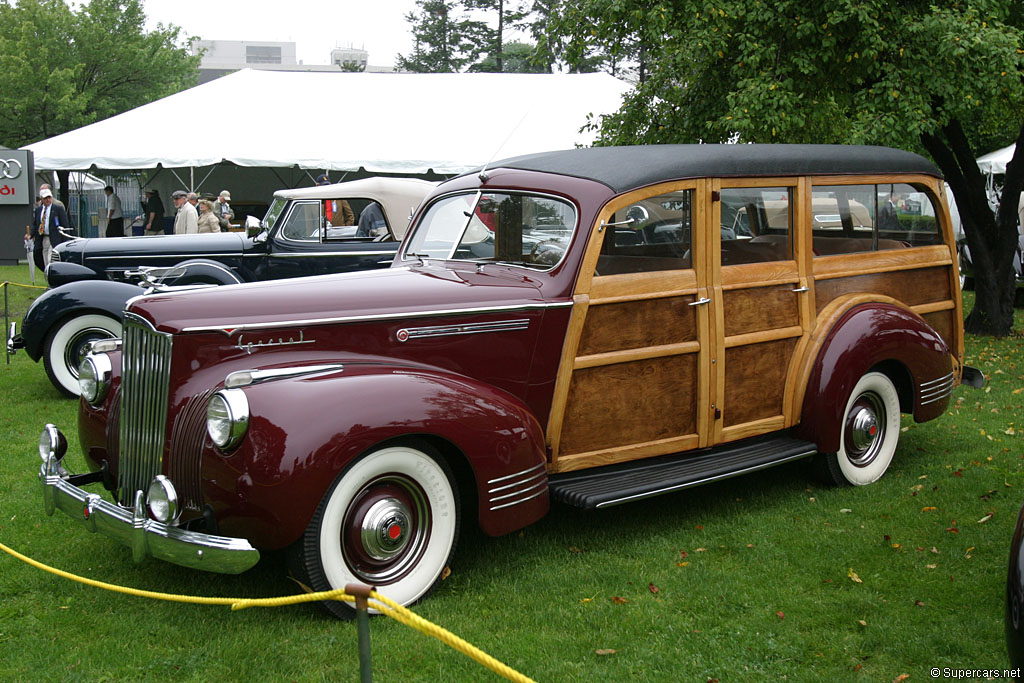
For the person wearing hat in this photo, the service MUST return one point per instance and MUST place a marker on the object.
(207, 218)
(186, 220)
(47, 221)
(153, 213)
(337, 211)
(222, 210)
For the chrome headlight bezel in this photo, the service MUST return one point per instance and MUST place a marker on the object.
(162, 500)
(227, 418)
(94, 377)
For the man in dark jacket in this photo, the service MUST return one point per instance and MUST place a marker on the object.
(47, 221)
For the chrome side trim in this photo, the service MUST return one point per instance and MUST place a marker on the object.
(521, 487)
(241, 327)
(244, 378)
(149, 257)
(309, 254)
(407, 333)
(936, 390)
(517, 474)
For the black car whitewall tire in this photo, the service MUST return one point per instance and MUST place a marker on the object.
(67, 343)
(869, 433)
(390, 520)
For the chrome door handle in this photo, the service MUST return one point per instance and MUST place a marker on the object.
(800, 289)
(699, 302)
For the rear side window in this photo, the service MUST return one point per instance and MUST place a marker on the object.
(651, 235)
(757, 225)
(849, 219)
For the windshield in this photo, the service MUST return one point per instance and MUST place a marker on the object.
(519, 229)
(274, 212)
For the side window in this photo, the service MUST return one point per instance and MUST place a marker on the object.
(303, 222)
(757, 224)
(651, 235)
(351, 218)
(848, 219)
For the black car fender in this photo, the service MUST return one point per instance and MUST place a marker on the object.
(75, 298)
(61, 273)
(201, 271)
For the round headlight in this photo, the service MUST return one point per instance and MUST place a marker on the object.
(94, 378)
(162, 500)
(52, 444)
(227, 417)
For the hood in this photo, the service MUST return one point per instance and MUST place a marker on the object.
(158, 245)
(409, 292)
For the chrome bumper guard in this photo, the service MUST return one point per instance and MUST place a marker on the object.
(14, 341)
(146, 537)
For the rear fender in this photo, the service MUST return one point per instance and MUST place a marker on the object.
(881, 336)
(304, 431)
(75, 298)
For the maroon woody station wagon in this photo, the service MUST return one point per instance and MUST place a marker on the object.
(595, 326)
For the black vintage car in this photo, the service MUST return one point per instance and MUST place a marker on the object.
(310, 231)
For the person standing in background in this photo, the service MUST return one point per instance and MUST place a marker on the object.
(47, 221)
(115, 216)
(154, 213)
(223, 211)
(186, 221)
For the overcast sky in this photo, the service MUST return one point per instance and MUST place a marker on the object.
(315, 26)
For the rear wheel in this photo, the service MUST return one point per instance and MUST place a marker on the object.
(390, 520)
(68, 342)
(871, 428)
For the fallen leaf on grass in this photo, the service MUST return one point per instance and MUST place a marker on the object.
(781, 615)
(901, 678)
(683, 554)
(929, 508)
(967, 553)
(445, 573)
(682, 564)
(862, 622)
(700, 550)
(931, 566)
(574, 549)
(985, 518)
(918, 603)
(605, 652)
(654, 589)
(619, 601)
(853, 576)
(846, 510)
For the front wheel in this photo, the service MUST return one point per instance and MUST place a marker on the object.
(68, 342)
(870, 430)
(390, 520)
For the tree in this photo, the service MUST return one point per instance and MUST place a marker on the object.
(444, 38)
(912, 74)
(506, 15)
(519, 58)
(63, 68)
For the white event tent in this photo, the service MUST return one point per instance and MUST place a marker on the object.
(343, 122)
(995, 162)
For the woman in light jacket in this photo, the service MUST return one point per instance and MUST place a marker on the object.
(207, 219)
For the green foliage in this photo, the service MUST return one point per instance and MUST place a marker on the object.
(444, 38)
(62, 67)
(519, 58)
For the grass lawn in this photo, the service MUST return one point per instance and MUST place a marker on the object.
(765, 576)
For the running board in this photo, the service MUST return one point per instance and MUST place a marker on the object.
(639, 479)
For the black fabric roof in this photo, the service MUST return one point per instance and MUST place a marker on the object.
(627, 168)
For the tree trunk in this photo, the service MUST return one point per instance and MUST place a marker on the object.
(992, 239)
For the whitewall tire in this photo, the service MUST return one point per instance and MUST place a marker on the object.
(391, 520)
(67, 343)
(870, 431)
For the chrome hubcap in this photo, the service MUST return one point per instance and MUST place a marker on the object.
(385, 529)
(864, 430)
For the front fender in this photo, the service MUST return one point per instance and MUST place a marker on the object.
(203, 271)
(304, 431)
(61, 273)
(74, 298)
(883, 336)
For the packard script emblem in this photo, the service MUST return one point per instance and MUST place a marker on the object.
(248, 346)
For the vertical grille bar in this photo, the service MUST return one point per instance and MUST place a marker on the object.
(145, 385)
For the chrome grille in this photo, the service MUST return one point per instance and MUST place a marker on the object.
(145, 384)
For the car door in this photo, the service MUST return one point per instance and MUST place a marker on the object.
(635, 375)
(306, 243)
(761, 303)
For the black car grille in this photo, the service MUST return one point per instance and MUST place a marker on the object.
(145, 385)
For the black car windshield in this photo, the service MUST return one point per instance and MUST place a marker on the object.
(274, 212)
(514, 228)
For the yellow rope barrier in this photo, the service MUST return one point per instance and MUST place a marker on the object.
(18, 284)
(379, 602)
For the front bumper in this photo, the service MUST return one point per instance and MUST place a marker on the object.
(146, 537)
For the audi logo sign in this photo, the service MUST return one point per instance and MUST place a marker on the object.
(15, 185)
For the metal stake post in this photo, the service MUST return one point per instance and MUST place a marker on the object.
(362, 594)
